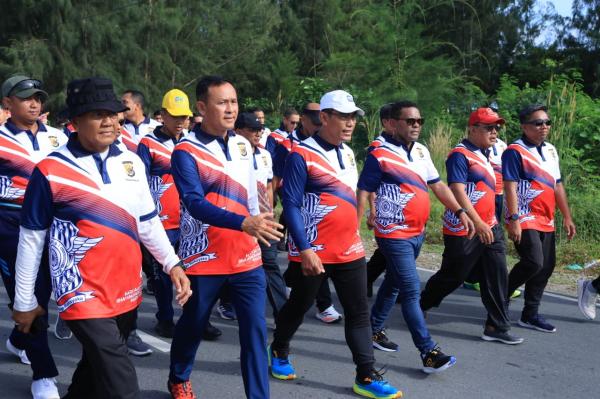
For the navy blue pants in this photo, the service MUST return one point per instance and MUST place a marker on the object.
(35, 345)
(247, 290)
(162, 285)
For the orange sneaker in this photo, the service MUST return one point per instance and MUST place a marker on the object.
(181, 390)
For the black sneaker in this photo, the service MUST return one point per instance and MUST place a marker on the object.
(500, 336)
(381, 342)
(537, 322)
(135, 345)
(164, 328)
(436, 361)
(211, 333)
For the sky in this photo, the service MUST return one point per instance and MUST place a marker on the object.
(563, 7)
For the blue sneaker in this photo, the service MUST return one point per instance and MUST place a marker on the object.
(436, 361)
(281, 368)
(537, 322)
(226, 311)
(374, 386)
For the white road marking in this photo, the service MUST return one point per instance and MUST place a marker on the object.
(154, 342)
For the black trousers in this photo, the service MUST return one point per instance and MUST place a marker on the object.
(596, 284)
(537, 253)
(375, 267)
(349, 280)
(105, 370)
(461, 256)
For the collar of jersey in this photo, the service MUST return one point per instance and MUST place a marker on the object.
(472, 147)
(530, 144)
(78, 151)
(298, 135)
(15, 130)
(390, 139)
(206, 138)
(146, 120)
(324, 144)
(162, 137)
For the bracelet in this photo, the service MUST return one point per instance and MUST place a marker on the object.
(459, 211)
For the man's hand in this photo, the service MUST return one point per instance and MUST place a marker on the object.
(468, 223)
(371, 220)
(570, 228)
(24, 320)
(484, 232)
(514, 231)
(311, 263)
(263, 227)
(181, 283)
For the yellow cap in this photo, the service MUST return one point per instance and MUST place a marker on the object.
(176, 103)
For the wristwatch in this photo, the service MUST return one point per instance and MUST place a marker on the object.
(459, 211)
(513, 217)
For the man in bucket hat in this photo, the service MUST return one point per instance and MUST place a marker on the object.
(24, 141)
(94, 202)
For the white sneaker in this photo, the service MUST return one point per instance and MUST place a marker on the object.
(329, 315)
(44, 388)
(20, 353)
(586, 298)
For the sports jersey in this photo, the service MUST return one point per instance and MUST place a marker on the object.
(536, 170)
(469, 165)
(217, 186)
(319, 201)
(378, 141)
(155, 152)
(266, 132)
(399, 175)
(496, 161)
(20, 150)
(263, 169)
(283, 150)
(127, 141)
(138, 131)
(95, 207)
(276, 137)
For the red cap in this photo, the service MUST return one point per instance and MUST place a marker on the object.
(486, 116)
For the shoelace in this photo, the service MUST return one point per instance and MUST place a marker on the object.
(377, 375)
(184, 388)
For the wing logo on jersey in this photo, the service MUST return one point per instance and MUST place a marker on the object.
(450, 220)
(157, 189)
(525, 194)
(67, 250)
(128, 165)
(389, 205)
(312, 214)
(194, 239)
(7, 191)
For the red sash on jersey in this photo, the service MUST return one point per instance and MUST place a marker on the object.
(481, 194)
(278, 137)
(15, 159)
(334, 211)
(535, 196)
(128, 140)
(224, 251)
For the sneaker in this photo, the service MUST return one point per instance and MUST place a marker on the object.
(44, 388)
(537, 322)
(374, 386)
(280, 366)
(181, 390)
(165, 328)
(211, 333)
(382, 342)
(61, 329)
(20, 353)
(436, 361)
(515, 294)
(500, 336)
(472, 286)
(329, 315)
(226, 311)
(586, 297)
(136, 346)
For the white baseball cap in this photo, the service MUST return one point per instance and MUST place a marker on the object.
(341, 101)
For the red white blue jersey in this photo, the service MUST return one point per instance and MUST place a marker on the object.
(275, 138)
(217, 186)
(319, 201)
(379, 140)
(126, 141)
(283, 150)
(136, 132)
(155, 151)
(496, 161)
(263, 169)
(20, 151)
(468, 165)
(399, 175)
(536, 170)
(93, 205)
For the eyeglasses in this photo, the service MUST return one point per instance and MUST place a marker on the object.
(539, 122)
(25, 85)
(490, 128)
(412, 121)
(293, 122)
(342, 116)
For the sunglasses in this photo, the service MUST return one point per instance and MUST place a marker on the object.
(490, 128)
(539, 122)
(412, 121)
(25, 85)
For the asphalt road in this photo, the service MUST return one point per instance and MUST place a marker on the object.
(560, 365)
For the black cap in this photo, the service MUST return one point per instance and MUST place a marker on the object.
(92, 94)
(248, 120)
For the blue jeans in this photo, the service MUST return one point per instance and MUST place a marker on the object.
(401, 279)
(247, 291)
